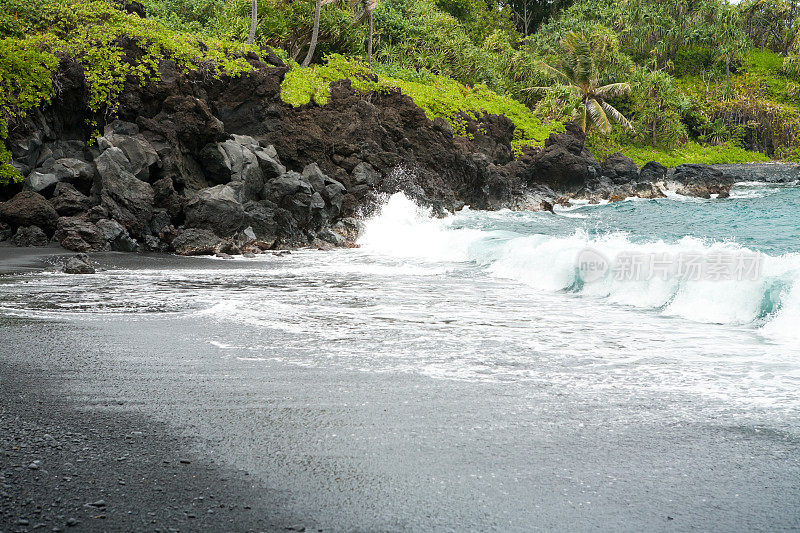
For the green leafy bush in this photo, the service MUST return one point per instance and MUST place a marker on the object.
(656, 104)
(89, 32)
(689, 152)
(438, 96)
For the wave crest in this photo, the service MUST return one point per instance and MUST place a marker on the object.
(769, 301)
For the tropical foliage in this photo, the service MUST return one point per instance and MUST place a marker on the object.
(578, 71)
(686, 75)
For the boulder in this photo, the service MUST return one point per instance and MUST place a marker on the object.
(646, 189)
(328, 189)
(272, 152)
(29, 236)
(620, 169)
(653, 172)
(42, 183)
(246, 141)
(331, 237)
(68, 201)
(120, 127)
(80, 234)
(112, 162)
(154, 244)
(289, 184)
(564, 164)
(97, 213)
(78, 265)
(25, 150)
(289, 231)
(223, 161)
(128, 199)
(74, 171)
(166, 197)
(235, 160)
(117, 236)
(111, 229)
(60, 149)
(364, 174)
(215, 163)
(186, 119)
(5, 232)
(216, 209)
(260, 218)
(349, 228)
(300, 207)
(701, 181)
(197, 241)
(245, 239)
(271, 167)
(140, 154)
(29, 208)
(160, 221)
(251, 178)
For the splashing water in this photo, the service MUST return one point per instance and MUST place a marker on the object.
(494, 296)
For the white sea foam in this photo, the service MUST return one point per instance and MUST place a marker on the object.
(405, 230)
(545, 262)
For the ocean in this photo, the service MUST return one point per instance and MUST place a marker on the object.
(654, 322)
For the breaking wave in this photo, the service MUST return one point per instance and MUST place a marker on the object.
(767, 299)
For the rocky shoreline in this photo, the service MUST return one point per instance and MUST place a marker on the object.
(195, 165)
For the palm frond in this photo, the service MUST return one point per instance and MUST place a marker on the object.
(617, 117)
(613, 89)
(553, 72)
(579, 51)
(598, 116)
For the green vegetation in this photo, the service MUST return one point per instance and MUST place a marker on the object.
(578, 71)
(689, 152)
(698, 80)
(438, 96)
(36, 37)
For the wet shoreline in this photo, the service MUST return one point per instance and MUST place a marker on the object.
(339, 450)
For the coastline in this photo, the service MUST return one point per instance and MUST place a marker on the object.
(66, 465)
(338, 446)
(20, 260)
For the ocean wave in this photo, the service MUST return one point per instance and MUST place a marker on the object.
(768, 300)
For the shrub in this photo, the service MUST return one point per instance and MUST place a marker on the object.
(438, 96)
(656, 105)
(89, 32)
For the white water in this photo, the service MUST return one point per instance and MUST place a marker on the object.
(548, 263)
(427, 296)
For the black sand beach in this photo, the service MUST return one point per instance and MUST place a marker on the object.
(112, 427)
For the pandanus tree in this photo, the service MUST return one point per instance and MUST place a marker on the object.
(367, 7)
(578, 70)
(730, 40)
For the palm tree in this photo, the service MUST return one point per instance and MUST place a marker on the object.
(253, 21)
(314, 35)
(368, 6)
(578, 70)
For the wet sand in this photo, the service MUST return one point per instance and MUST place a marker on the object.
(340, 450)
